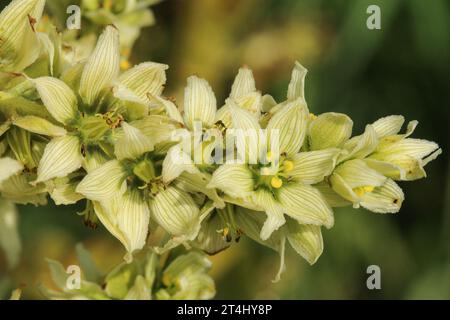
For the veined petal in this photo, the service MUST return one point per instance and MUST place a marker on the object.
(19, 46)
(415, 148)
(9, 167)
(233, 179)
(197, 182)
(62, 191)
(388, 126)
(250, 102)
(145, 78)
(387, 169)
(329, 130)
(361, 146)
(104, 183)
(357, 173)
(176, 212)
(62, 156)
(313, 166)
(133, 219)
(175, 163)
(160, 128)
(243, 84)
(274, 211)
(331, 197)
(58, 98)
(306, 205)
(132, 144)
(306, 240)
(102, 66)
(296, 87)
(199, 102)
(39, 125)
(210, 239)
(171, 110)
(385, 199)
(291, 123)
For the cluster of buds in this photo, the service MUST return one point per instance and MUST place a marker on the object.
(85, 131)
(147, 278)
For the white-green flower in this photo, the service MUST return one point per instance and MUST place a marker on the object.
(280, 184)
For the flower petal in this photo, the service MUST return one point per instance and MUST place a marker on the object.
(313, 166)
(102, 66)
(199, 102)
(388, 126)
(233, 179)
(385, 199)
(329, 130)
(274, 211)
(58, 98)
(306, 205)
(306, 240)
(145, 78)
(296, 87)
(291, 122)
(243, 84)
(39, 125)
(132, 144)
(175, 163)
(104, 183)
(62, 156)
(361, 146)
(176, 212)
(133, 219)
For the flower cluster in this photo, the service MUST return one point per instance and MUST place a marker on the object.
(85, 131)
(147, 278)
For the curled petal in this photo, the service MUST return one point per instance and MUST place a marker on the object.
(313, 166)
(329, 130)
(235, 180)
(243, 84)
(296, 87)
(306, 240)
(39, 125)
(132, 144)
(387, 198)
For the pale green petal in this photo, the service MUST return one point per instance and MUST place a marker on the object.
(223, 115)
(9, 167)
(331, 197)
(169, 107)
(361, 146)
(176, 212)
(102, 66)
(199, 102)
(94, 159)
(160, 128)
(274, 211)
(145, 78)
(267, 103)
(329, 130)
(39, 125)
(291, 123)
(132, 144)
(175, 163)
(357, 173)
(198, 182)
(58, 98)
(414, 148)
(250, 102)
(61, 156)
(388, 169)
(62, 191)
(296, 87)
(210, 239)
(233, 179)
(306, 205)
(107, 214)
(18, 189)
(385, 199)
(388, 126)
(245, 133)
(133, 219)
(139, 291)
(19, 46)
(243, 84)
(313, 166)
(306, 240)
(104, 183)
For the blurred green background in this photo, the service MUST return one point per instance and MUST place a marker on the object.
(404, 68)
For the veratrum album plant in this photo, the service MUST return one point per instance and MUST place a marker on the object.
(90, 128)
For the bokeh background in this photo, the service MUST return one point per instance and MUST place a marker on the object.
(404, 68)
